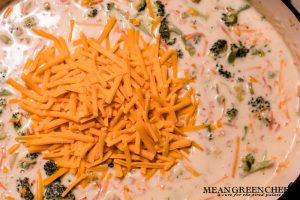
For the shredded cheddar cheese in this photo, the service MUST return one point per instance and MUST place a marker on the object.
(121, 103)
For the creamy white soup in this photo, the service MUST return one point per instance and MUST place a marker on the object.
(245, 83)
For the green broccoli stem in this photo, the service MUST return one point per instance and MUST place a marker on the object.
(258, 166)
(242, 8)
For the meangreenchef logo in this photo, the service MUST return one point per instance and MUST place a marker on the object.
(247, 191)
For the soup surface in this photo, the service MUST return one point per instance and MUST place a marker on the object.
(245, 81)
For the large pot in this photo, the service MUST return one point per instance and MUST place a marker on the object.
(285, 17)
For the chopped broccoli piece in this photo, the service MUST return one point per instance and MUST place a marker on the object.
(196, 1)
(230, 18)
(24, 188)
(50, 167)
(4, 92)
(259, 104)
(237, 51)
(3, 102)
(264, 120)
(188, 46)
(17, 124)
(250, 86)
(218, 47)
(175, 29)
(245, 133)
(249, 165)
(93, 12)
(221, 99)
(222, 72)
(27, 161)
(32, 156)
(55, 190)
(21, 133)
(15, 115)
(140, 5)
(258, 52)
(30, 22)
(179, 53)
(239, 91)
(160, 8)
(5, 39)
(110, 6)
(231, 114)
(165, 32)
(247, 162)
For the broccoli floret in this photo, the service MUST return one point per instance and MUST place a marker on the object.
(21, 133)
(247, 162)
(231, 113)
(3, 103)
(223, 72)
(54, 191)
(179, 53)
(30, 22)
(50, 167)
(230, 18)
(218, 47)
(17, 124)
(110, 6)
(237, 51)
(24, 188)
(140, 5)
(27, 161)
(264, 120)
(258, 52)
(165, 32)
(249, 165)
(15, 115)
(259, 104)
(32, 156)
(160, 8)
(93, 12)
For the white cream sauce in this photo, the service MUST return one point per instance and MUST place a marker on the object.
(217, 159)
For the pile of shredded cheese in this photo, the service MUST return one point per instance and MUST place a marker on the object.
(121, 103)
